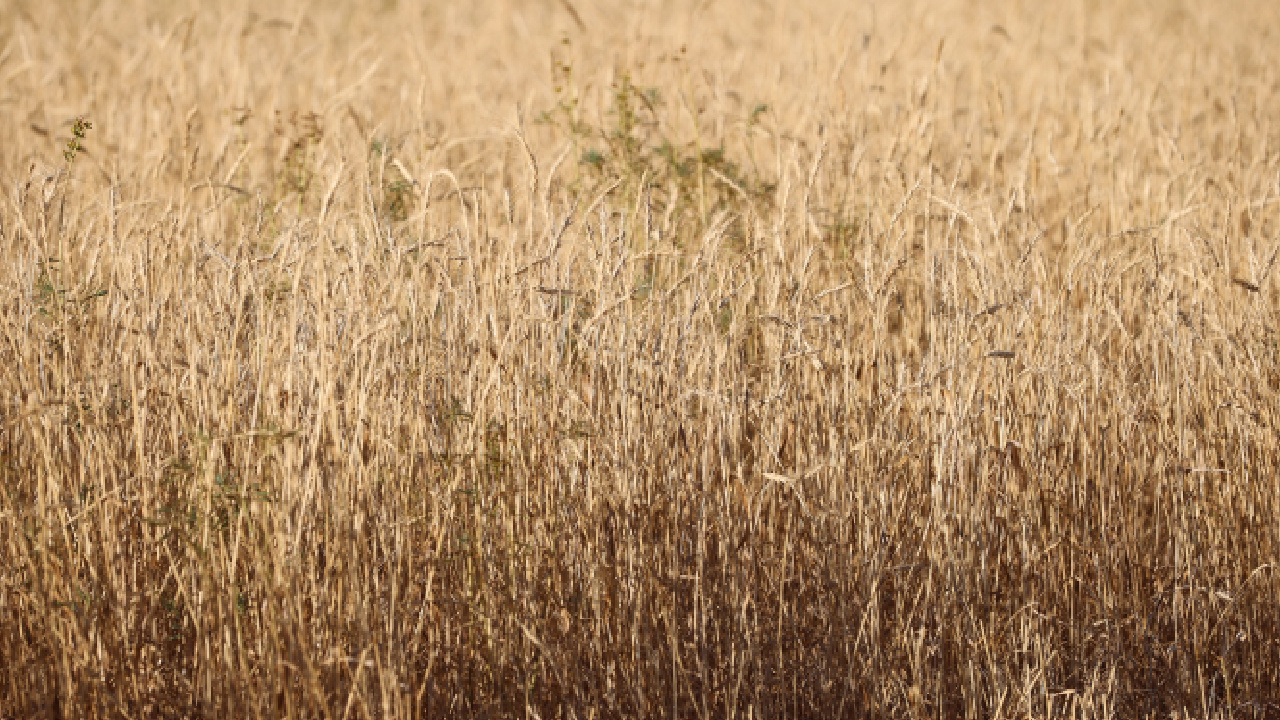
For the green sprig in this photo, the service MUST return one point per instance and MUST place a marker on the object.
(79, 128)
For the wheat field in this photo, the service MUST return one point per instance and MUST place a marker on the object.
(653, 359)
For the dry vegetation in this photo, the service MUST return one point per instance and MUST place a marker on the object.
(640, 359)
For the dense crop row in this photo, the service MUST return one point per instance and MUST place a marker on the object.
(641, 359)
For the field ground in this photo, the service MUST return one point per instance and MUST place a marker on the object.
(570, 359)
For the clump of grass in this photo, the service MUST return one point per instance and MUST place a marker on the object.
(805, 366)
(639, 146)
